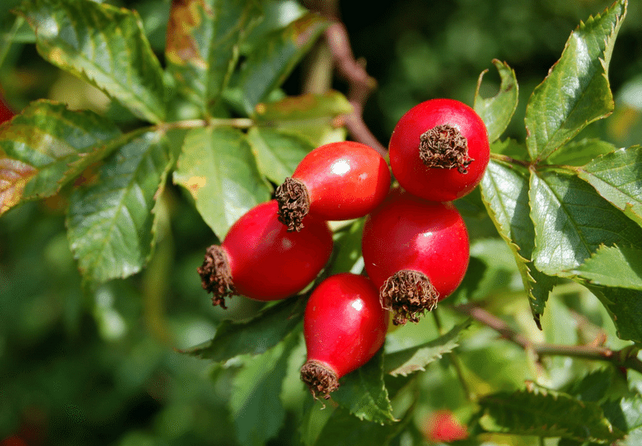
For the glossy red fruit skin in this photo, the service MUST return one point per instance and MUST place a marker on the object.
(344, 180)
(344, 324)
(409, 233)
(269, 263)
(433, 183)
(442, 426)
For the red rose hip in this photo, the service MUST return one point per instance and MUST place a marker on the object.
(439, 150)
(416, 251)
(344, 326)
(337, 181)
(261, 260)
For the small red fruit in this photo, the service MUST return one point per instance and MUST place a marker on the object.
(439, 150)
(344, 326)
(442, 427)
(261, 260)
(416, 251)
(337, 181)
(6, 113)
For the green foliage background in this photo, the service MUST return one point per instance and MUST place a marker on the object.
(98, 365)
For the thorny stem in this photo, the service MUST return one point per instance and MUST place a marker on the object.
(456, 363)
(360, 84)
(626, 357)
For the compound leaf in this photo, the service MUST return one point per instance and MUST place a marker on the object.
(203, 37)
(410, 360)
(255, 404)
(110, 223)
(105, 46)
(616, 177)
(364, 393)
(613, 266)
(572, 221)
(505, 194)
(576, 91)
(253, 336)
(498, 110)
(218, 168)
(269, 64)
(546, 415)
(56, 143)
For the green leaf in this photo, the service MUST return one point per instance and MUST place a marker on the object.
(347, 249)
(546, 415)
(625, 413)
(14, 176)
(203, 37)
(615, 266)
(255, 404)
(254, 336)
(572, 221)
(269, 65)
(364, 393)
(593, 386)
(576, 91)
(296, 110)
(578, 153)
(414, 359)
(217, 167)
(277, 152)
(616, 177)
(343, 429)
(625, 308)
(103, 45)
(498, 110)
(110, 223)
(505, 193)
(57, 143)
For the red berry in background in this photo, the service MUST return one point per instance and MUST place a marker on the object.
(344, 326)
(5, 111)
(337, 181)
(261, 260)
(439, 150)
(442, 427)
(416, 251)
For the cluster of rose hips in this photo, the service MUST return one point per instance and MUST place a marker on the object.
(415, 244)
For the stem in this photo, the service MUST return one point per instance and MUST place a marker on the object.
(360, 84)
(456, 363)
(509, 160)
(627, 357)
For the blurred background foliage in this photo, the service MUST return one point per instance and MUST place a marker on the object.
(103, 368)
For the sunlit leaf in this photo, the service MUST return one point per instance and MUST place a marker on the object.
(616, 177)
(576, 91)
(217, 167)
(498, 110)
(269, 64)
(277, 152)
(414, 359)
(625, 309)
(203, 39)
(572, 221)
(615, 266)
(254, 336)
(546, 415)
(110, 223)
(57, 143)
(364, 393)
(578, 153)
(505, 193)
(255, 404)
(14, 176)
(103, 45)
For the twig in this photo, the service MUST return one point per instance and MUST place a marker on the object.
(360, 84)
(627, 357)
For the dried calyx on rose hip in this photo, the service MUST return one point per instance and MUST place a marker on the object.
(337, 181)
(439, 150)
(344, 325)
(416, 251)
(261, 260)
